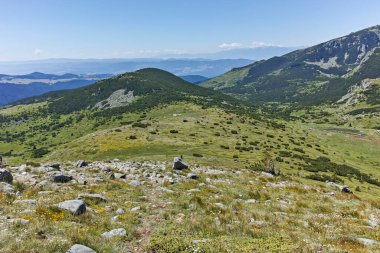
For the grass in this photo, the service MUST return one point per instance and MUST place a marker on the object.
(214, 218)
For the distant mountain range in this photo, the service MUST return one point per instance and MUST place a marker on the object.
(15, 87)
(180, 67)
(325, 73)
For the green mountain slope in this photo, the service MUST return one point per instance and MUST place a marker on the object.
(322, 73)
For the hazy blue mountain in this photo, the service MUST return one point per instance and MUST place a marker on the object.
(180, 67)
(15, 87)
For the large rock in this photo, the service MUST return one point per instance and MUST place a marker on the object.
(115, 232)
(76, 207)
(6, 176)
(78, 248)
(60, 178)
(178, 164)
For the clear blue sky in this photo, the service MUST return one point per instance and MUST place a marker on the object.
(37, 29)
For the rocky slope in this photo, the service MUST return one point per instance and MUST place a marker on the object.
(116, 206)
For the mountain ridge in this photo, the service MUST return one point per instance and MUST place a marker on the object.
(320, 73)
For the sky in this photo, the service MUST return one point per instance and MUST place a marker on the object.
(41, 29)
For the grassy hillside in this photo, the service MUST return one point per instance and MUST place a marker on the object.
(231, 207)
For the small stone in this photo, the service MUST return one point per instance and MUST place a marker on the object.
(19, 221)
(119, 175)
(135, 183)
(250, 201)
(266, 174)
(7, 188)
(81, 163)
(55, 165)
(367, 242)
(79, 248)
(120, 211)
(220, 205)
(115, 232)
(135, 209)
(192, 176)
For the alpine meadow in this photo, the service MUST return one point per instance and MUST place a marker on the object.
(135, 133)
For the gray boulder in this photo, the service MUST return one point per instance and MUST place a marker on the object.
(76, 207)
(78, 248)
(178, 164)
(6, 176)
(115, 232)
(60, 178)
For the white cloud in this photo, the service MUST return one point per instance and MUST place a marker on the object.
(255, 44)
(228, 46)
(38, 51)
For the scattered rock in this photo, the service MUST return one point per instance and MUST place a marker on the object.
(192, 176)
(135, 183)
(119, 175)
(76, 207)
(250, 201)
(7, 188)
(26, 201)
(345, 189)
(220, 205)
(6, 176)
(164, 189)
(55, 166)
(115, 232)
(178, 164)
(367, 242)
(18, 221)
(60, 178)
(266, 174)
(120, 211)
(135, 209)
(81, 164)
(78, 248)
